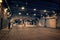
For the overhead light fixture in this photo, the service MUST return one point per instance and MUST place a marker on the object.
(53, 11)
(22, 8)
(34, 14)
(5, 10)
(19, 13)
(27, 14)
(34, 9)
(45, 11)
(8, 13)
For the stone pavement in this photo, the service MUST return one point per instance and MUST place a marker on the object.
(35, 33)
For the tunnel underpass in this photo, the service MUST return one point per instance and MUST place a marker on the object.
(29, 19)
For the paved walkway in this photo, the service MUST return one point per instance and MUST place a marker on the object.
(18, 33)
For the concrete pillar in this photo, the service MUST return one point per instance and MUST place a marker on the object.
(51, 22)
(58, 21)
(1, 15)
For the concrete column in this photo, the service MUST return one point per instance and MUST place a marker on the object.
(51, 22)
(1, 16)
(58, 22)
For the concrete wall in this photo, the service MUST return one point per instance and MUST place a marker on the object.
(4, 23)
(58, 22)
(51, 23)
(41, 23)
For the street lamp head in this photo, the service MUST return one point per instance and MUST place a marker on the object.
(34, 14)
(45, 11)
(34, 9)
(19, 13)
(22, 8)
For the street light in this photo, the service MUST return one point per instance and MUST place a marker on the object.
(22, 8)
(34, 9)
(34, 14)
(19, 13)
(45, 11)
(8, 13)
(27, 14)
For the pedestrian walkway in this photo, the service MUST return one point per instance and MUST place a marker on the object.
(36, 33)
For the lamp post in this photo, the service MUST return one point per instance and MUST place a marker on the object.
(1, 15)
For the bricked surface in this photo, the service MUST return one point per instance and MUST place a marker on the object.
(18, 33)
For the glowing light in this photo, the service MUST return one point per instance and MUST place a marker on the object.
(5, 10)
(8, 13)
(53, 11)
(45, 11)
(22, 8)
(34, 14)
(19, 13)
(34, 9)
(27, 14)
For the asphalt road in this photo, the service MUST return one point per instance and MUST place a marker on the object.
(34, 33)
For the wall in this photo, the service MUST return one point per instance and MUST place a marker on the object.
(58, 22)
(51, 23)
(5, 23)
(41, 23)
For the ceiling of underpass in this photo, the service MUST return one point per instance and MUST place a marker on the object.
(15, 5)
